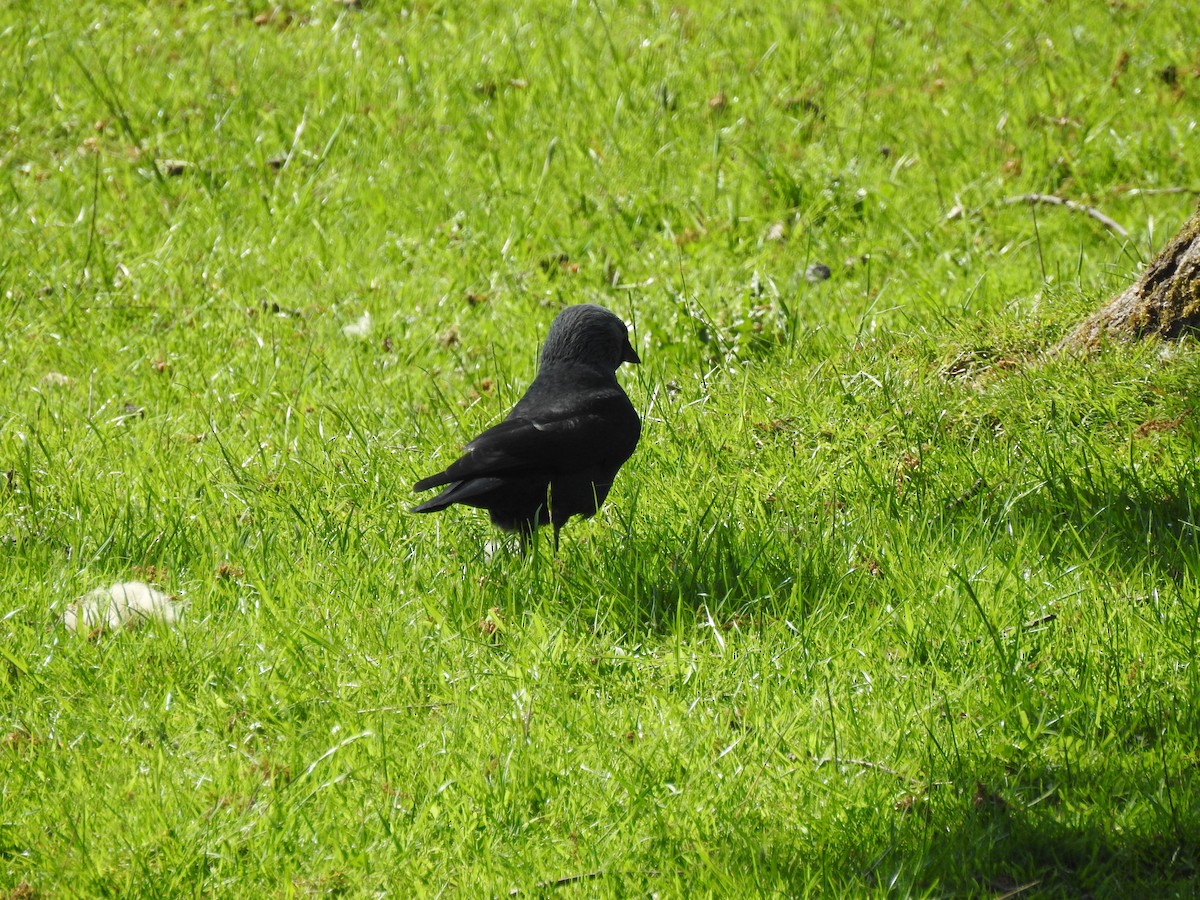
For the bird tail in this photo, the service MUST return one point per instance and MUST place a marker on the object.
(432, 481)
(472, 492)
(438, 502)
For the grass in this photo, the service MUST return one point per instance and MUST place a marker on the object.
(886, 602)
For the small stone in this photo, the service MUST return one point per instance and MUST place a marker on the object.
(817, 272)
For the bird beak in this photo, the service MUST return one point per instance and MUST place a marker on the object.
(630, 355)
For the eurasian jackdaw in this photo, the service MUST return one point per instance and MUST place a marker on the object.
(556, 454)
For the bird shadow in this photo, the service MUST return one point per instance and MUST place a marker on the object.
(706, 569)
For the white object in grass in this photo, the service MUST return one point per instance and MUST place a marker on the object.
(359, 329)
(124, 604)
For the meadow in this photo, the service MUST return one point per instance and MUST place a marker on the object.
(889, 600)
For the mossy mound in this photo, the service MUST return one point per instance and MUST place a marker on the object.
(1164, 302)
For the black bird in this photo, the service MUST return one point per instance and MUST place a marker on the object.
(556, 454)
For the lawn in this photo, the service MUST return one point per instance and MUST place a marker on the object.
(888, 601)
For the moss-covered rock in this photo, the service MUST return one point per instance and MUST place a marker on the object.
(1164, 302)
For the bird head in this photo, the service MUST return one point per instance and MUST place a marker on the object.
(588, 335)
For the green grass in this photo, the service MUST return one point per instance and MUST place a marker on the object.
(885, 602)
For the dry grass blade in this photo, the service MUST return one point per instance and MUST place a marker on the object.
(1052, 200)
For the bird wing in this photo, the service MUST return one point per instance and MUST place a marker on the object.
(606, 430)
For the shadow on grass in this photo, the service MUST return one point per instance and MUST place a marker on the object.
(976, 845)
(714, 570)
(997, 848)
(1112, 513)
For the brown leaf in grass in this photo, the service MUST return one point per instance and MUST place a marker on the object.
(1155, 426)
(491, 623)
(18, 739)
(985, 798)
(1119, 68)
